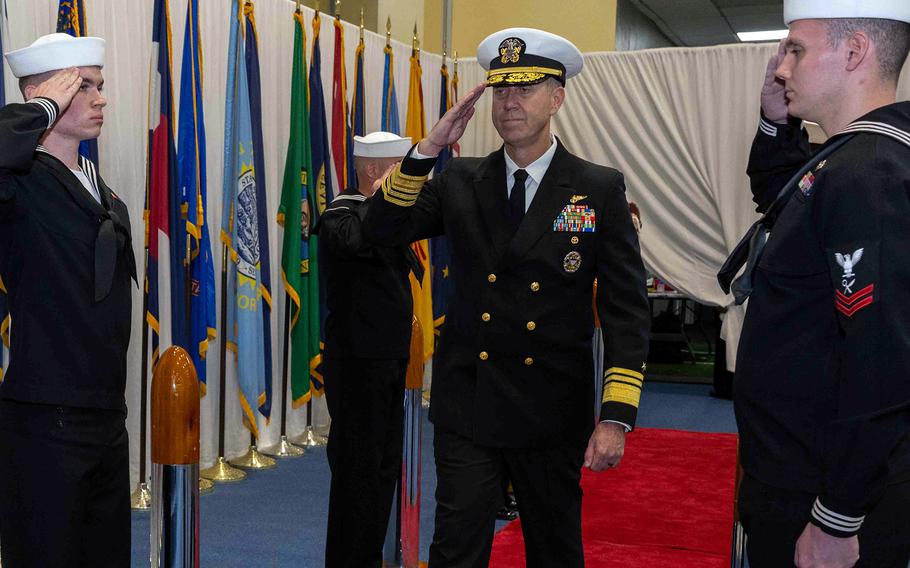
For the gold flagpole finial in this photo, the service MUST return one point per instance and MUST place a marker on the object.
(317, 7)
(361, 24)
(298, 7)
(337, 9)
(415, 43)
(388, 31)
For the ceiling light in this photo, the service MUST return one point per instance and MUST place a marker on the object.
(763, 36)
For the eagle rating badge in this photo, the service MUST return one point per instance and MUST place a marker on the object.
(849, 301)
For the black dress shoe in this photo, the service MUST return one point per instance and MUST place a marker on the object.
(509, 510)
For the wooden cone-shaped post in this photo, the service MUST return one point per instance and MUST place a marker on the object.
(175, 462)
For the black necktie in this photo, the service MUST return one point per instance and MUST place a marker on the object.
(517, 198)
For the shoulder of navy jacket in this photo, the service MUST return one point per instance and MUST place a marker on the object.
(401, 188)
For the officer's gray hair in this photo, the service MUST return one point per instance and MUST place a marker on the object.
(891, 39)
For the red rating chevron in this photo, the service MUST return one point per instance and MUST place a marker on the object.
(849, 305)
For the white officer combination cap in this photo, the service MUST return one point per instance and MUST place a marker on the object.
(832, 9)
(525, 56)
(54, 52)
(381, 145)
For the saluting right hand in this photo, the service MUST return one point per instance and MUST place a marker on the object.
(60, 88)
(773, 92)
(452, 124)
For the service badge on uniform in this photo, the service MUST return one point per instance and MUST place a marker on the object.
(857, 286)
(572, 262)
(806, 185)
(576, 198)
(576, 219)
(821, 164)
(510, 49)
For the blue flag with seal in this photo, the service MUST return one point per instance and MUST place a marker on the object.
(191, 162)
(319, 130)
(319, 147)
(71, 20)
(242, 231)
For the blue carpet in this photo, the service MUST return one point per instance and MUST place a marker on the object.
(276, 518)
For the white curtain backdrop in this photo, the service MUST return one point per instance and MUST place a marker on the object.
(677, 122)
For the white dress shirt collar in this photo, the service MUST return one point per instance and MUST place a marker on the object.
(536, 169)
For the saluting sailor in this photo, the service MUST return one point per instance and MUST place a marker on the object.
(530, 227)
(368, 332)
(822, 386)
(67, 260)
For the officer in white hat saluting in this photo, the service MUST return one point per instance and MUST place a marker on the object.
(66, 259)
(368, 332)
(822, 388)
(530, 227)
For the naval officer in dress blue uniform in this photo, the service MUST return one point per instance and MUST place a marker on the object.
(530, 227)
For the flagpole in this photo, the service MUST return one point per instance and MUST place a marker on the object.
(310, 439)
(206, 485)
(222, 471)
(141, 498)
(409, 495)
(285, 449)
(407, 527)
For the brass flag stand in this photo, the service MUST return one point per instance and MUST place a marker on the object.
(222, 472)
(285, 449)
(253, 458)
(141, 498)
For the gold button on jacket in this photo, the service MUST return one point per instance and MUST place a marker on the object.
(485, 316)
(491, 278)
(484, 355)
(535, 286)
(532, 326)
(529, 361)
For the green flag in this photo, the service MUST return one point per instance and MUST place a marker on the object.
(299, 259)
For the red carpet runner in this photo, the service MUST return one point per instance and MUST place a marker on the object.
(669, 505)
